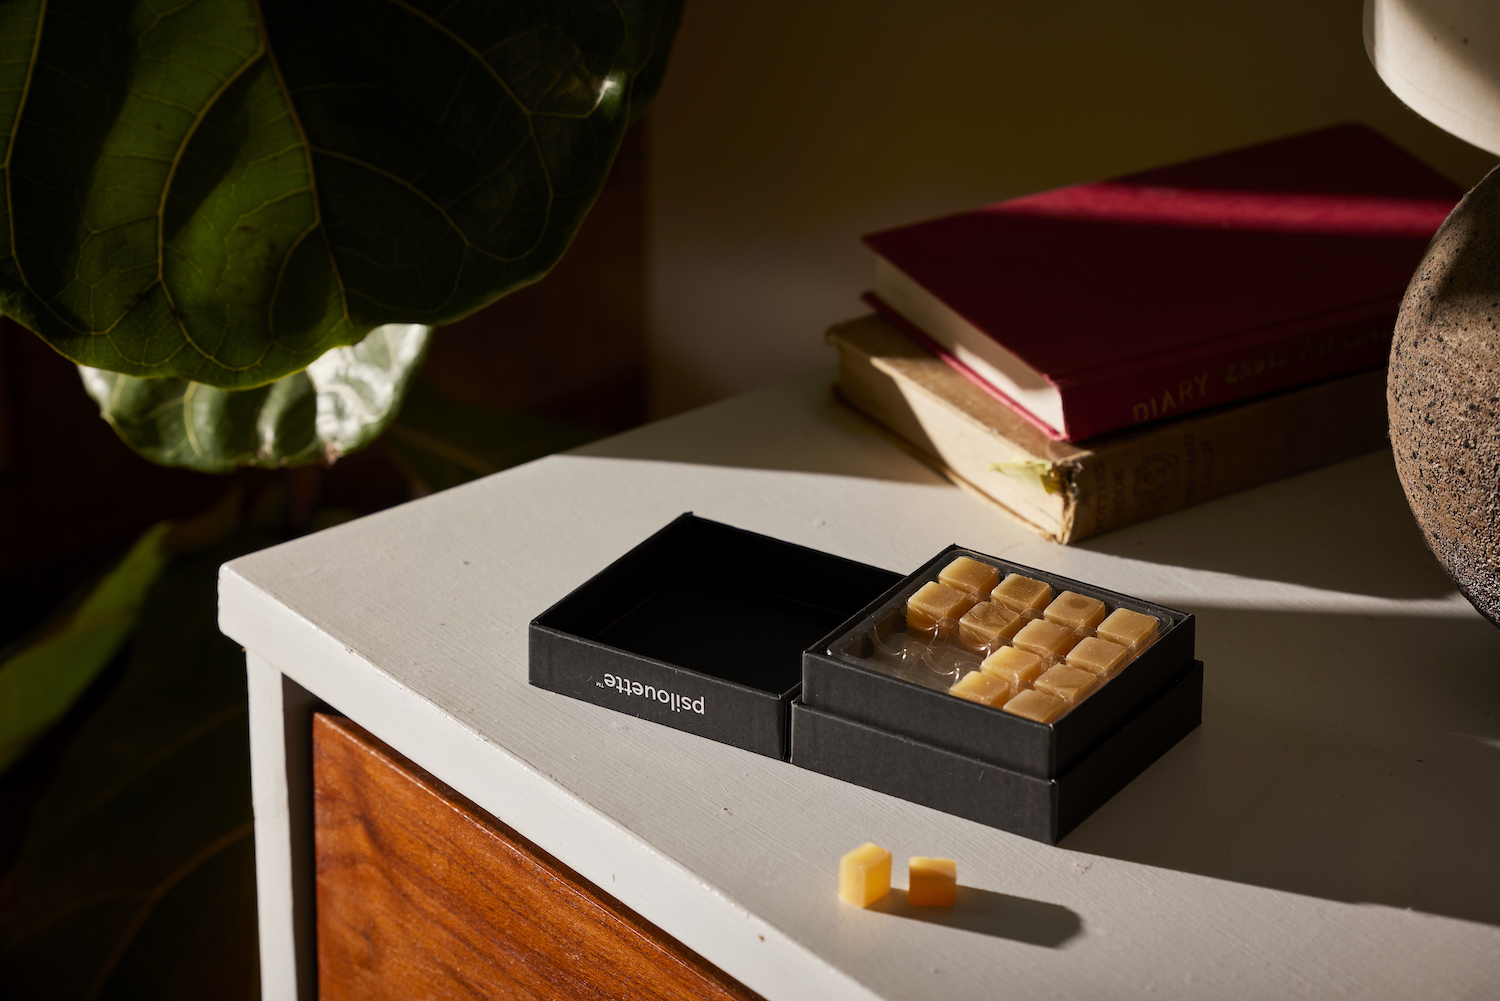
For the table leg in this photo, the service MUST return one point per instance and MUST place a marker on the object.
(281, 790)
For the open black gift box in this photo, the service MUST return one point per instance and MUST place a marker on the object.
(762, 644)
(701, 627)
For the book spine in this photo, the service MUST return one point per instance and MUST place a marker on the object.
(969, 452)
(1117, 480)
(1131, 477)
(1234, 369)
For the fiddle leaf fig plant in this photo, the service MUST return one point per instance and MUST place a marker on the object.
(242, 219)
(217, 192)
(337, 405)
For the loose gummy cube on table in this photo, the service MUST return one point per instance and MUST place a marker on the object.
(1035, 705)
(934, 602)
(1097, 656)
(932, 882)
(965, 574)
(1076, 611)
(986, 624)
(865, 875)
(1067, 683)
(982, 687)
(1128, 628)
(1020, 593)
(1015, 666)
(1047, 639)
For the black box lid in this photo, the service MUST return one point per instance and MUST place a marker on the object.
(701, 627)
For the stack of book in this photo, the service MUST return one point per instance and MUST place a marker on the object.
(1099, 354)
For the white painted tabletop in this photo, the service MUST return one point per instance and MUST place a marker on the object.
(1332, 829)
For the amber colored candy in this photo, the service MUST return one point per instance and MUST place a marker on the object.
(932, 882)
(934, 602)
(864, 875)
(1020, 593)
(965, 574)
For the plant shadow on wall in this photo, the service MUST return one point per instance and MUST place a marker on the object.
(242, 223)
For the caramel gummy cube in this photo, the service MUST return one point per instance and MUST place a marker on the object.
(982, 687)
(932, 882)
(1097, 656)
(1045, 638)
(1035, 705)
(965, 574)
(1076, 611)
(1020, 593)
(1068, 683)
(1128, 628)
(986, 624)
(934, 602)
(1015, 666)
(865, 875)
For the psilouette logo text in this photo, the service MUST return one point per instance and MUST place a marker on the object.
(677, 703)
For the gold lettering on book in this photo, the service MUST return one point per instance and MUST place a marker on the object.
(1249, 368)
(1155, 478)
(1342, 341)
(1189, 390)
(1110, 488)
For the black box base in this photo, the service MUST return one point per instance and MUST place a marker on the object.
(855, 688)
(1041, 809)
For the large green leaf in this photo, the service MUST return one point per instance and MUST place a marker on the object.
(44, 674)
(39, 681)
(221, 190)
(337, 405)
(136, 878)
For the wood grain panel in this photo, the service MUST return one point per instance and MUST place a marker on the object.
(423, 895)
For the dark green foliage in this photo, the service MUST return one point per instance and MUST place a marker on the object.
(222, 190)
(136, 879)
(337, 405)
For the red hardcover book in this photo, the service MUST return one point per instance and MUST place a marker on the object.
(1100, 306)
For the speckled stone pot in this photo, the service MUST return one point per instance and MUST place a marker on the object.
(1443, 395)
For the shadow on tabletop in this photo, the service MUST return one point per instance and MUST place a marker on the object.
(1338, 758)
(770, 428)
(1345, 527)
(998, 915)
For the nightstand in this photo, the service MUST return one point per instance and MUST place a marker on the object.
(1329, 827)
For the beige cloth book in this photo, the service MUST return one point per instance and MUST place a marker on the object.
(1070, 491)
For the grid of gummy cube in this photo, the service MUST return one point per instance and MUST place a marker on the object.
(1009, 643)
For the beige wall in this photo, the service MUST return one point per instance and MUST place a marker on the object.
(786, 129)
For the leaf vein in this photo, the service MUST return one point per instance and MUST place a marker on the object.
(409, 186)
(281, 273)
(157, 99)
(291, 193)
(126, 154)
(530, 118)
(10, 146)
(312, 173)
(165, 14)
(166, 191)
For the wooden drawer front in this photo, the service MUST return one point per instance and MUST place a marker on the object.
(423, 895)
